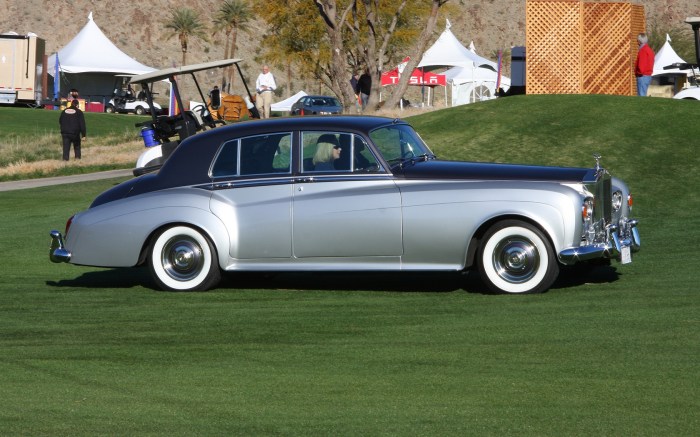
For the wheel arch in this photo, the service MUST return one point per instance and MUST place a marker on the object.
(143, 254)
(476, 239)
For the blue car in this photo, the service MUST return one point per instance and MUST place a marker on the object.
(317, 105)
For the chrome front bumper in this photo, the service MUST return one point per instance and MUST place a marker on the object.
(626, 235)
(58, 252)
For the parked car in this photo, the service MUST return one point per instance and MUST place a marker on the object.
(317, 105)
(348, 193)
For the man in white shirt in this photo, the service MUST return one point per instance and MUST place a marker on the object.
(264, 85)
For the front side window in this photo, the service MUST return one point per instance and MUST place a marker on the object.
(257, 155)
(336, 152)
(399, 142)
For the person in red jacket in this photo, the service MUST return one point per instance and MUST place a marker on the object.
(644, 65)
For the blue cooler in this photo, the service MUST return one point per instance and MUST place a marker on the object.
(149, 137)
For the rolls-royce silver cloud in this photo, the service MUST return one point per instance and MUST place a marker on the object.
(347, 193)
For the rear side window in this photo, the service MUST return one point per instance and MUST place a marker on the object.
(256, 155)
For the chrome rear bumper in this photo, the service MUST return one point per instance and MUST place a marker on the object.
(618, 237)
(58, 252)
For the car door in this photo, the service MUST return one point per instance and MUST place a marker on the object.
(352, 209)
(253, 194)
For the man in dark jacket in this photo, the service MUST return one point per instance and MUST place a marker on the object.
(72, 122)
(364, 86)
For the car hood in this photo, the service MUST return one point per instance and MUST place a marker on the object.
(435, 169)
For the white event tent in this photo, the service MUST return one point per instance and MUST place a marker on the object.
(667, 56)
(473, 77)
(90, 61)
(286, 105)
(666, 83)
(471, 85)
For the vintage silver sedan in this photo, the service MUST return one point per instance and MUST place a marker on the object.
(348, 193)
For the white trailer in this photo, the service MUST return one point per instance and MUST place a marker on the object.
(21, 69)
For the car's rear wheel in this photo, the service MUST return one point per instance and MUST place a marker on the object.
(517, 258)
(139, 110)
(183, 259)
(109, 109)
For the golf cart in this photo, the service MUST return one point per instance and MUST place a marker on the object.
(124, 100)
(163, 133)
(693, 91)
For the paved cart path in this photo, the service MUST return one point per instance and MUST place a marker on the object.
(43, 182)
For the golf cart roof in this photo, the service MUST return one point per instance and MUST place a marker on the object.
(165, 73)
(691, 20)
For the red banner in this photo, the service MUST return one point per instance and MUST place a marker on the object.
(418, 78)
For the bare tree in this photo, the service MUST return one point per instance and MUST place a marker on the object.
(400, 89)
(335, 22)
(371, 37)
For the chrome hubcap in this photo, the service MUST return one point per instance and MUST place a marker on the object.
(182, 258)
(516, 260)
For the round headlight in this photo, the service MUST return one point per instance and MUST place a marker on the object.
(617, 200)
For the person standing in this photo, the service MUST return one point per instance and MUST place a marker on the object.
(353, 83)
(264, 85)
(72, 123)
(364, 86)
(644, 65)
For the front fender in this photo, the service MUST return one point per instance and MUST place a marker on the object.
(441, 221)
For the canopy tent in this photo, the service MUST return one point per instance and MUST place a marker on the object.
(666, 83)
(90, 61)
(667, 56)
(447, 51)
(473, 78)
(286, 104)
(469, 85)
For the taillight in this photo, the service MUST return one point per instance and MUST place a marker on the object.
(68, 223)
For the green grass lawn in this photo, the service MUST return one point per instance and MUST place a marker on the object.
(31, 135)
(89, 351)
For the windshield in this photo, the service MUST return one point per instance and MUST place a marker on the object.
(399, 143)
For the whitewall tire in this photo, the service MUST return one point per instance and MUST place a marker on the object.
(517, 258)
(183, 259)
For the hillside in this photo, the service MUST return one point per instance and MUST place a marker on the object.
(136, 27)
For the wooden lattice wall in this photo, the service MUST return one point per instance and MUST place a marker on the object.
(577, 47)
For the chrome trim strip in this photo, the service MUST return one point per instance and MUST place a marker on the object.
(298, 179)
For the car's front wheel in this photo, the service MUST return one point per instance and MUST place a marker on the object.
(139, 110)
(516, 257)
(109, 109)
(181, 258)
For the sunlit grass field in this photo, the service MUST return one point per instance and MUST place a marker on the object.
(30, 143)
(89, 351)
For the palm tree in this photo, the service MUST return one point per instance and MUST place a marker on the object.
(185, 23)
(233, 15)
